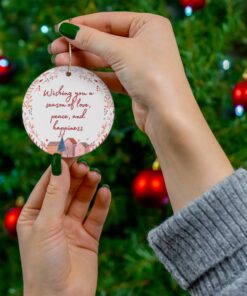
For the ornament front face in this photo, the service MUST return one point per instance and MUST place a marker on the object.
(72, 114)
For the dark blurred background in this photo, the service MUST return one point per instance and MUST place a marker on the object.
(213, 44)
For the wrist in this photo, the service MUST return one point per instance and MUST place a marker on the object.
(33, 290)
(169, 101)
(188, 152)
(30, 292)
(173, 120)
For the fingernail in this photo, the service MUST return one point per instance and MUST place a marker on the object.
(106, 186)
(95, 170)
(49, 48)
(56, 165)
(53, 58)
(82, 161)
(68, 30)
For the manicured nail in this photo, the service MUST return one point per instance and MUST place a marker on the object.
(53, 58)
(95, 170)
(106, 186)
(82, 161)
(56, 165)
(49, 48)
(68, 30)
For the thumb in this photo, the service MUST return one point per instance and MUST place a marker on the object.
(57, 190)
(92, 40)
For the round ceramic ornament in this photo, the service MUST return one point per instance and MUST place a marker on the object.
(68, 112)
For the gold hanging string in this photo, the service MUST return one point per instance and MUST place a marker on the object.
(70, 57)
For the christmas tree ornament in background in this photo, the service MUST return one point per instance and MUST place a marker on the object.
(68, 110)
(10, 220)
(239, 96)
(192, 5)
(45, 29)
(245, 75)
(149, 187)
(6, 69)
(12, 215)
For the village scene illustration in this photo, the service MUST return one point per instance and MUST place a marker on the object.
(68, 148)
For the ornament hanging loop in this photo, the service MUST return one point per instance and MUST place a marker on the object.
(68, 73)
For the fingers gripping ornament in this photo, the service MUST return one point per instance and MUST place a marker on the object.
(68, 110)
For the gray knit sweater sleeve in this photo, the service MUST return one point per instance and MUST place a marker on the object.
(204, 246)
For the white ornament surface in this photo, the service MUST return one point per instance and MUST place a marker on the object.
(72, 115)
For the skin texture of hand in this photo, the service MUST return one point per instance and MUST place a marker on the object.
(141, 50)
(58, 242)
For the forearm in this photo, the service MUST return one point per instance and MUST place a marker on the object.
(191, 159)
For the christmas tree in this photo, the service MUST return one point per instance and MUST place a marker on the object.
(212, 41)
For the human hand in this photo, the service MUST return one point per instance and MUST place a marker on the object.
(141, 50)
(58, 242)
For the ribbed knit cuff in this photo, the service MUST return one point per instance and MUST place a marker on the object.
(203, 246)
